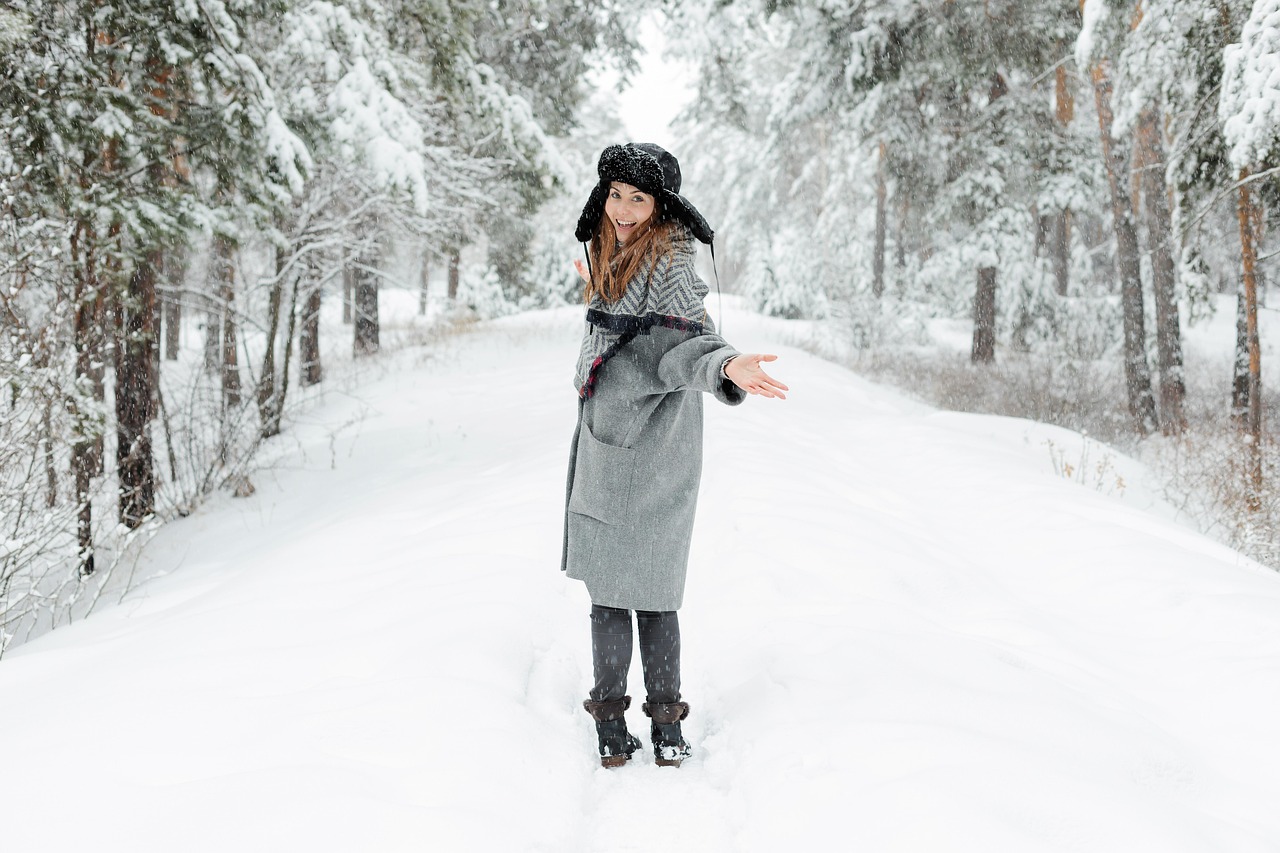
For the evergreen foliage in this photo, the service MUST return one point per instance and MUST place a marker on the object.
(216, 164)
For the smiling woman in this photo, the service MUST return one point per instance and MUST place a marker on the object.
(627, 209)
(649, 355)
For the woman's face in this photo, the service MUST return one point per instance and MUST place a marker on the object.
(627, 208)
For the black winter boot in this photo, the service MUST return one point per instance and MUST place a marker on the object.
(616, 743)
(669, 746)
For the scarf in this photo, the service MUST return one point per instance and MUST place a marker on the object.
(666, 292)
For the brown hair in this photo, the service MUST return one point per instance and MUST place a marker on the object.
(612, 266)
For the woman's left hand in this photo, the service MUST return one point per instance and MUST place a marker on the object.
(744, 370)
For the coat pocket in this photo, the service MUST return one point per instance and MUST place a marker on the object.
(602, 477)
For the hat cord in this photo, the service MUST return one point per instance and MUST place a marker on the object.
(719, 296)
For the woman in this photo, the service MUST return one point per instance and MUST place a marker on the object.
(636, 459)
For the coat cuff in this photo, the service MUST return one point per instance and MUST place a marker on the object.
(724, 366)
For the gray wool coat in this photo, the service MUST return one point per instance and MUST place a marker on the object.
(636, 458)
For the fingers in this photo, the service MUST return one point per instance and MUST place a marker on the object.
(765, 391)
(755, 381)
(773, 382)
(766, 386)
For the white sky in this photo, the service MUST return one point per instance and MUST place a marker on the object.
(656, 95)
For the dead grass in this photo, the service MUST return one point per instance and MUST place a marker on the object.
(1200, 472)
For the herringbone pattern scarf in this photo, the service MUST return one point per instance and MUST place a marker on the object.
(668, 293)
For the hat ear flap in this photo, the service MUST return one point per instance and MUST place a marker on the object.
(678, 208)
(591, 214)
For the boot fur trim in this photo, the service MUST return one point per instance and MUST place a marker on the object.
(606, 712)
(666, 713)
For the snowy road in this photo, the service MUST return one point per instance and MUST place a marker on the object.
(902, 632)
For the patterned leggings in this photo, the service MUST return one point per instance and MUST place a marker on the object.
(611, 653)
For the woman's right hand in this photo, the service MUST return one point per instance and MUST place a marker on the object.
(745, 372)
(581, 267)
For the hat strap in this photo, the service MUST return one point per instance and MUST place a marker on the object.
(719, 297)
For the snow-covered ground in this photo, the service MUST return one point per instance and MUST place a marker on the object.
(905, 630)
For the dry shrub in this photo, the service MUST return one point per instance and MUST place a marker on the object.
(1201, 472)
(1085, 396)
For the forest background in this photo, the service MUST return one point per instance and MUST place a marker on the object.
(186, 187)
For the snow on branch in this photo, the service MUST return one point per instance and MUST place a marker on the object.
(1094, 15)
(519, 130)
(1250, 104)
(375, 128)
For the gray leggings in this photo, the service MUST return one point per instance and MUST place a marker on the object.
(611, 653)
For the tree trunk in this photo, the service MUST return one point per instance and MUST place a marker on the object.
(984, 297)
(984, 318)
(366, 306)
(1064, 112)
(212, 337)
(135, 393)
(455, 266)
(157, 322)
(225, 282)
(1240, 367)
(1044, 230)
(1061, 251)
(1137, 372)
(175, 277)
(288, 347)
(422, 281)
(269, 401)
(1064, 102)
(348, 289)
(1247, 214)
(1173, 390)
(50, 456)
(900, 242)
(86, 450)
(172, 325)
(877, 279)
(309, 338)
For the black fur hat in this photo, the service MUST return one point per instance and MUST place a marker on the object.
(649, 169)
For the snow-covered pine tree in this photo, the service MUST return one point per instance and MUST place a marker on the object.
(540, 55)
(1250, 112)
(1099, 32)
(956, 95)
(1161, 68)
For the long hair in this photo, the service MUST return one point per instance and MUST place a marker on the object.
(613, 266)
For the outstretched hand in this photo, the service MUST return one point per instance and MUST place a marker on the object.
(744, 370)
(582, 271)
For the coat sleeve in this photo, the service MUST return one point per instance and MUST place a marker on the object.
(694, 364)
